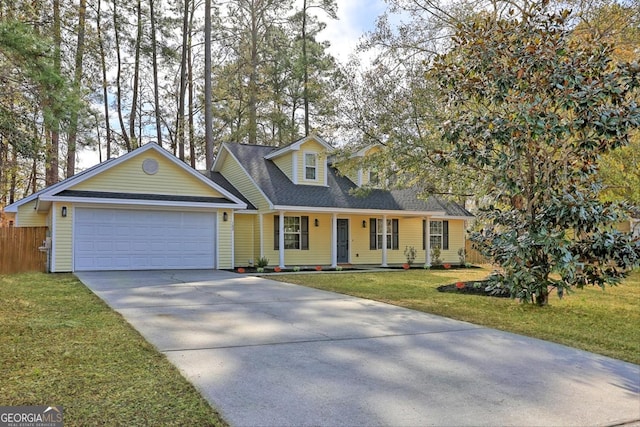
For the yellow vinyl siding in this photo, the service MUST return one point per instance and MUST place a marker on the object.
(244, 240)
(28, 216)
(285, 164)
(63, 238)
(409, 234)
(312, 146)
(224, 240)
(239, 179)
(319, 252)
(456, 241)
(128, 177)
(360, 252)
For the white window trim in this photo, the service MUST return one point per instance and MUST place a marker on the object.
(316, 166)
(440, 235)
(299, 233)
(379, 234)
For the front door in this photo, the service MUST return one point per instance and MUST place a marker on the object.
(343, 240)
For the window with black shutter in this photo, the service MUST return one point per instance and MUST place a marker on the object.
(296, 232)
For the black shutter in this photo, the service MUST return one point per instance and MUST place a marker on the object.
(373, 239)
(395, 238)
(276, 232)
(424, 234)
(304, 233)
(445, 235)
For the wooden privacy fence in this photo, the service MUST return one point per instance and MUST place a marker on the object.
(473, 256)
(19, 249)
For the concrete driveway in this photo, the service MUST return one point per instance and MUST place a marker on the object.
(272, 354)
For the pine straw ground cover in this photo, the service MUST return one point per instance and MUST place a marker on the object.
(61, 345)
(605, 322)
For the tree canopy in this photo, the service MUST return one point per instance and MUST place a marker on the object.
(533, 109)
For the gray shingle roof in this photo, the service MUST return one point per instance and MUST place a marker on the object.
(339, 192)
(222, 182)
(143, 196)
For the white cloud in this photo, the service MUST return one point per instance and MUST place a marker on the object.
(355, 17)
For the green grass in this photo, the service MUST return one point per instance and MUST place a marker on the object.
(605, 322)
(61, 345)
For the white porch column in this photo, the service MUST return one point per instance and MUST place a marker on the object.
(281, 240)
(334, 240)
(261, 230)
(427, 241)
(384, 240)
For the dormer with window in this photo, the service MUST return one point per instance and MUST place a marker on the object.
(366, 174)
(304, 162)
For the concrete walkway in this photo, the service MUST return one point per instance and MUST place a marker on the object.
(272, 354)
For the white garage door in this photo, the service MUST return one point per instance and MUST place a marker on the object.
(127, 239)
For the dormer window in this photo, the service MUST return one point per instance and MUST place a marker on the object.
(311, 166)
(374, 178)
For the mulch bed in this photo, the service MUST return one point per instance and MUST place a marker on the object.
(253, 270)
(474, 288)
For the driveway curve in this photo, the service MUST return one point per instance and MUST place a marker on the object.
(266, 353)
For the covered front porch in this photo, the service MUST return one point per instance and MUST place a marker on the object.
(289, 238)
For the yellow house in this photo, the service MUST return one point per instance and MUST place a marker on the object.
(307, 213)
(143, 210)
(149, 210)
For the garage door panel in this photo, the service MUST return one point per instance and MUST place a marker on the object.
(118, 239)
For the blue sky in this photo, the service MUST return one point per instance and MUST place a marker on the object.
(355, 18)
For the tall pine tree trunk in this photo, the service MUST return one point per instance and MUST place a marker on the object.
(183, 81)
(154, 60)
(123, 129)
(77, 83)
(136, 78)
(208, 112)
(253, 79)
(51, 166)
(105, 99)
(305, 64)
(192, 142)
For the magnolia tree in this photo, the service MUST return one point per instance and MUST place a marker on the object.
(533, 108)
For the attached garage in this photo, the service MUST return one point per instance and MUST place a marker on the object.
(145, 210)
(132, 239)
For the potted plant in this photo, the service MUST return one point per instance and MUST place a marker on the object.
(435, 256)
(261, 264)
(410, 255)
(277, 269)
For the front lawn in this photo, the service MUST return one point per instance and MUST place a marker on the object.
(605, 322)
(61, 345)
